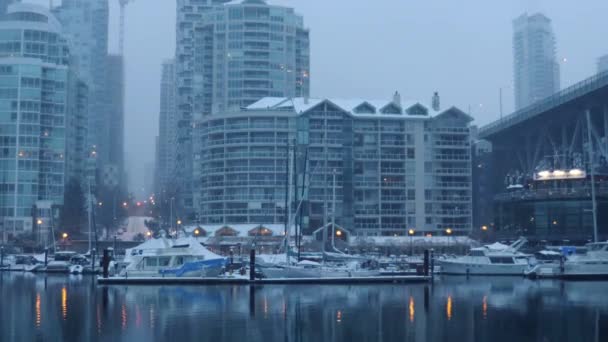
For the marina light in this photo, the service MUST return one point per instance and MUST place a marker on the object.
(64, 235)
(576, 172)
(484, 228)
(448, 231)
(411, 232)
(197, 232)
(39, 222)
(544, 174)
(559, 173)
(179, 222)
(148, 233)
(124, 204)
(339, 233)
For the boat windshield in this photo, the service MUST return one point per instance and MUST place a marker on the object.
(501, 260)
(596, 247)
(477, 253)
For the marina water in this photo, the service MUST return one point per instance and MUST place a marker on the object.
(74, 308)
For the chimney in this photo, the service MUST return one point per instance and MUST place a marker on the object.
(397, 99)
(436, 102)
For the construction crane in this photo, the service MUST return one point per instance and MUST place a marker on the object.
(121, 38)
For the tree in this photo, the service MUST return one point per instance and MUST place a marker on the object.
(110, 203)
(74, 213)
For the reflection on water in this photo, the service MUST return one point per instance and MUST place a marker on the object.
(453, 309)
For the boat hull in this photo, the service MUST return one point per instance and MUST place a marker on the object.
(456, 268)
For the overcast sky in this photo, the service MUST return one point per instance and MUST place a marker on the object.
(370, 48)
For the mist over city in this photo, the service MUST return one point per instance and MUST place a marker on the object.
(346, 170)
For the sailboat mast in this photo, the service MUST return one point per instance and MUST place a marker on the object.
(89, 207)
(592, 171)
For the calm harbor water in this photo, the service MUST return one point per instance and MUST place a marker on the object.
(62, 308)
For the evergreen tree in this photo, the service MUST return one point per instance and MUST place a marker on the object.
(74, 213)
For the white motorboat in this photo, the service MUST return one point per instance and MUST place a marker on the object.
(591, 265)
(172, 258)
(309, 269)
(496, 259)
(61, 262)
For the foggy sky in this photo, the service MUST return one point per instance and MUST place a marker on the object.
(370, 48)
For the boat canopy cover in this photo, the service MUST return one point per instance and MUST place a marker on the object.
(497, 246)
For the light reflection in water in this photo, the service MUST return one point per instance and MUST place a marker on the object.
(137, 316)
(339, 316)
(123, 315)
(412, 309)
(484, 307)
(99, 323)
(38, 311)
(448, 308)
(64, 303)
(152, 322)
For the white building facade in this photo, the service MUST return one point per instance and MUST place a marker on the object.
(397, 166)
(230, 54)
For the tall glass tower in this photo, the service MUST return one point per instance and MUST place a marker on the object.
(42, 127)
(536, 70)
(229, 55)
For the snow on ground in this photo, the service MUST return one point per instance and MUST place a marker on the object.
(135, 225)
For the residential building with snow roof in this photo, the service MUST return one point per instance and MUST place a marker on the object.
(398, 165)
(230, 54)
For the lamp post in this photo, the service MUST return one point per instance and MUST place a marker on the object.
(411, 233)
(449, 233)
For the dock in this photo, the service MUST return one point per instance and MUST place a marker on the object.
(154, 281)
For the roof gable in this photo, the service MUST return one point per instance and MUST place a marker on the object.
(391, 108)
(454, 113)
(417, 109)
(365, 108)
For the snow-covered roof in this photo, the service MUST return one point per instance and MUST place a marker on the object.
(416, 240)
(497, 246)
(302, 105)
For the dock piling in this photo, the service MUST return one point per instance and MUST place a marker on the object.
(105, 263)
(46, 257)
(252, 264)
(426, 263)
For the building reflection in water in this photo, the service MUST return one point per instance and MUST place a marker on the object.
(451, 311)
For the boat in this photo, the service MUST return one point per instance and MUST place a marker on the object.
(591, 265)
(307, 269)
(496, 259)
(163, 257)
(61, 262)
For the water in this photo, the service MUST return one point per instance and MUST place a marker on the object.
(61, 308)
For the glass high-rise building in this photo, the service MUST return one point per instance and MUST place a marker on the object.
(536, 70)
(85, 24)
(397, 165)
(229, 55)
(165, 148)
(42, 116)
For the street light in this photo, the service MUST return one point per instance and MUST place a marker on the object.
(124, 204)
(197, 232)
(149, 234)
(411, 233)
(100, 204)
(64, 236)
(338, 233)
(449, 233)
(484, 228)
(39, 222)
(179, 222)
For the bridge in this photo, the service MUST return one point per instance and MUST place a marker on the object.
(541, 161)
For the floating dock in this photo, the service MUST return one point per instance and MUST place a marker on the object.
(411, 279)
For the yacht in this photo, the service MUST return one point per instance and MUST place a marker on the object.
(306, 269)
(61, 262)
(496, 259)
(591, 265)
(172, 258)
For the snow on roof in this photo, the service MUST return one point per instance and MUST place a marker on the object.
(405, 240)
(302, 105)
